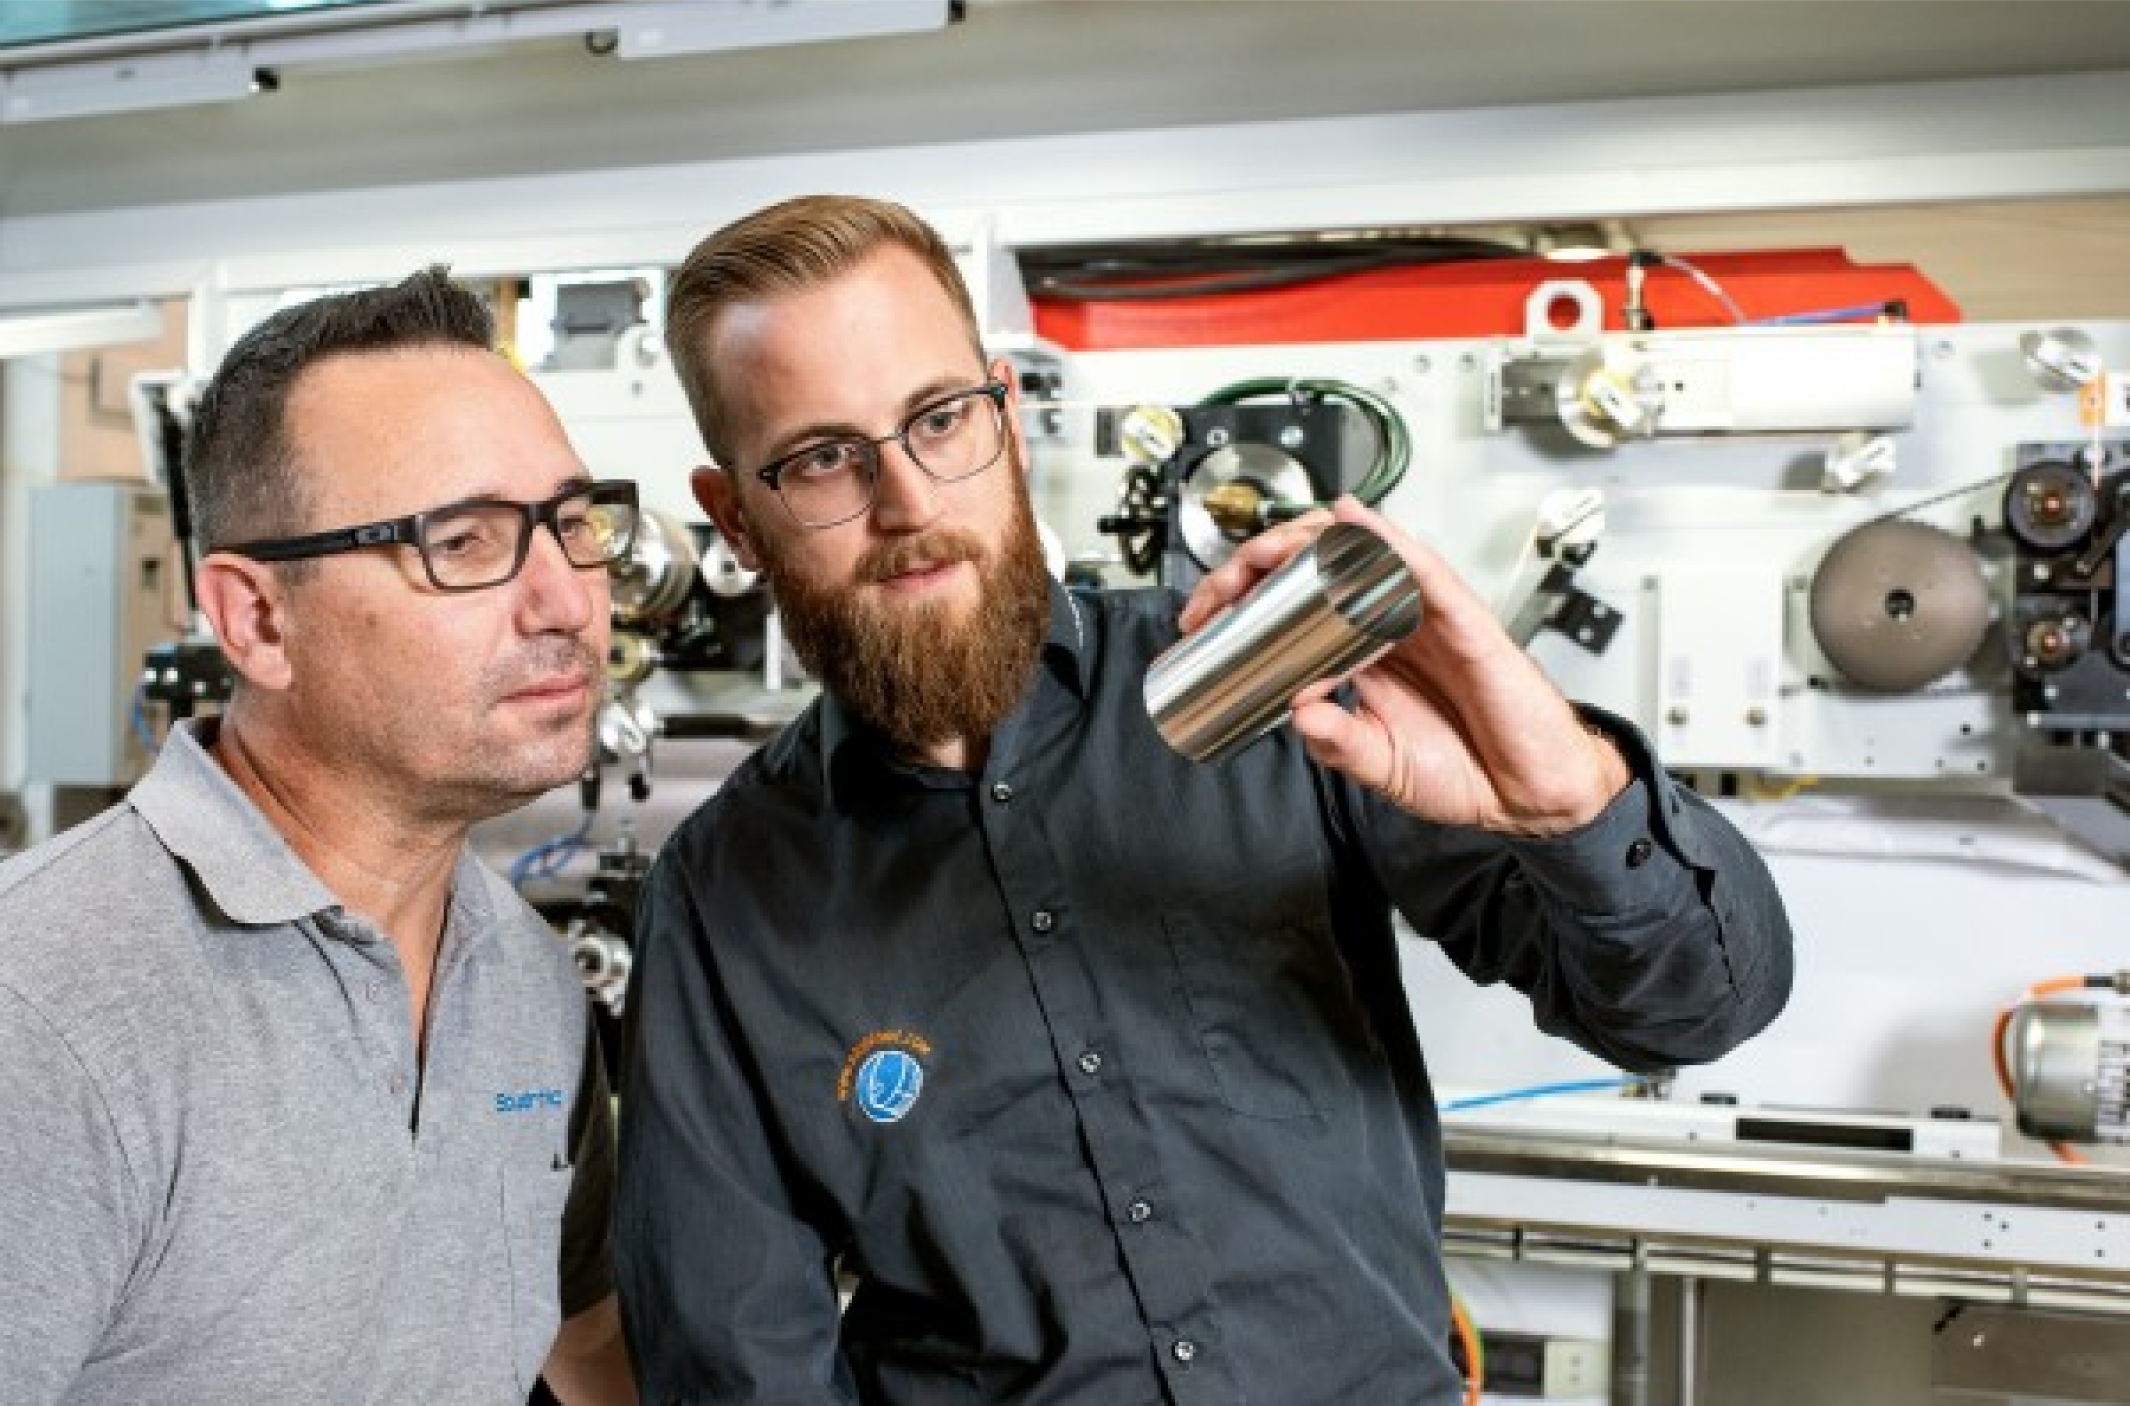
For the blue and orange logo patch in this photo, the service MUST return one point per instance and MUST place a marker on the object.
(884, 1074)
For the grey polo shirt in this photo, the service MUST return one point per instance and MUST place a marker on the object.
(223, 1175)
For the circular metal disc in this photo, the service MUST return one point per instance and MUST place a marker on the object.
(1262, 467)
(1897, 605)
(659, 572)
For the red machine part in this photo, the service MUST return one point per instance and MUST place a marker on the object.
(1487, 298)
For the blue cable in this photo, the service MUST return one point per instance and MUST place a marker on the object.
(1573, 1086)
(1823, 315)
(546, 859)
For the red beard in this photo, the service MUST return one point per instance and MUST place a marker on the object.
(914, 672)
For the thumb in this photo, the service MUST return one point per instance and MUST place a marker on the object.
(1338, 739)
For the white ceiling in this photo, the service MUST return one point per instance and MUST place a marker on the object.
(1022, 68)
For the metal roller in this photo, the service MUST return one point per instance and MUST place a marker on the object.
(1334, 607)
(655, 580)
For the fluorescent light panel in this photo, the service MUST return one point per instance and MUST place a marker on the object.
(715, 26)
(188, 69)
(123, 85)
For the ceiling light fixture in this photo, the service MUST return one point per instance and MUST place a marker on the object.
(717, 26)
(180, 65)
(127, 85)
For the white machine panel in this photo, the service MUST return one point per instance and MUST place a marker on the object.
(1719, 661)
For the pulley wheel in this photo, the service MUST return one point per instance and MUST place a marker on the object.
(1897, 605)
(2050, 504)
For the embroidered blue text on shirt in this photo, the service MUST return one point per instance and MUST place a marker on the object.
(888, 1085)
(528, 1101)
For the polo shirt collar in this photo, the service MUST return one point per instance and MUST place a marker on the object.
(205, 820)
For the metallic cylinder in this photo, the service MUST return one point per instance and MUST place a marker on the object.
(1333, 608)
(2070, 1068)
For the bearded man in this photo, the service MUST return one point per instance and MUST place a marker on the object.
(1087, 1068)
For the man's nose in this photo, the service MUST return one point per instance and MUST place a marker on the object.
(905, 497)
(561, 595)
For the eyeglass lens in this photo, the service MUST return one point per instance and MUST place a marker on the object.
(484, 544)
(950, 439)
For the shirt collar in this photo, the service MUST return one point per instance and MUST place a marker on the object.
(1068, 652)
(209, 824)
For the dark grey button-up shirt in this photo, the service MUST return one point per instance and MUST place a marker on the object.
(223, 1175)
(1096, 1070)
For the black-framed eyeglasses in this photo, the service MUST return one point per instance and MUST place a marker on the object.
(483, 542)
(831, 481)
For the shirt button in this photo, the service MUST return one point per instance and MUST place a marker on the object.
(398, 1085)
(1183, 1350)
(375, 990)
(1001, 792)
(1638, 854)
(1042, 921)
(1090, 1063)
(1139, 1212)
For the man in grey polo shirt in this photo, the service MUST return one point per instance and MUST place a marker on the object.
(301, 1103)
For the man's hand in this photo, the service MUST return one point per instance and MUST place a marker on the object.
(588, 1365)
(1456, 724)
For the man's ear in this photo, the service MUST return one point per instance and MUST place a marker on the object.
(720, 497)
(246, 605)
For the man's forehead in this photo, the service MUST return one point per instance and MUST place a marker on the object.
(414, 427)
(859, 346)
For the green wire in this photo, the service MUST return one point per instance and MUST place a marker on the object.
(1394, 446)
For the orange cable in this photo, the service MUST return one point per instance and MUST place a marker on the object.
(1474, 1362)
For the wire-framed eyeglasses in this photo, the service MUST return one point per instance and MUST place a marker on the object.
(482, 542)
(834, 480)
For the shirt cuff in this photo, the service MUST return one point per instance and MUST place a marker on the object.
(1633, 854)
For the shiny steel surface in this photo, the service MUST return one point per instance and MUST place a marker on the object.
(1845, 1175)
(2057, 1066)
(1258, 468)
(654, 581)
(1333, 608)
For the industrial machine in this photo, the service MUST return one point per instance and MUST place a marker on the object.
(1204, 477)
(1860, 579)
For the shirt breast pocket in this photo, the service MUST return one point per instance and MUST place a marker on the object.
(532, 1200)
(1274, 1013)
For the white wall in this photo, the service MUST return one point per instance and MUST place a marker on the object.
(29, 456)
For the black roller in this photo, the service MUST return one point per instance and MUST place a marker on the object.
(2049, 505)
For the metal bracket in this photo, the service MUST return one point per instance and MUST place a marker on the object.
(1559, 604)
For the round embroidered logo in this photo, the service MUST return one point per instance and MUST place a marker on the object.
(888, 1084)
